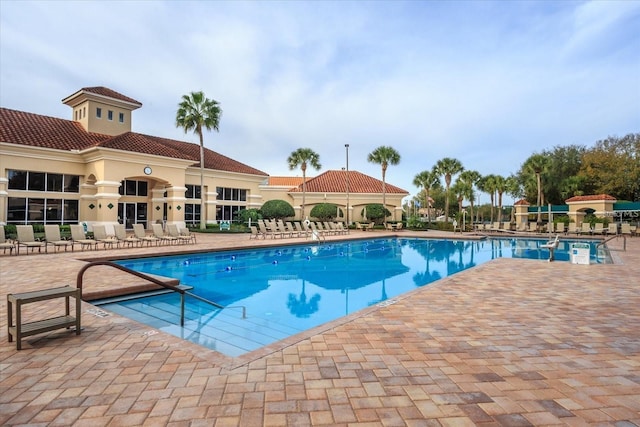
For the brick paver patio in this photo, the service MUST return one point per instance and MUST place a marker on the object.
(512, 342)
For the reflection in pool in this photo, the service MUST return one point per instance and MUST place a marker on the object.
(289, 289)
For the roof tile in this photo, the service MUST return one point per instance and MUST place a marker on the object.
(18, 127)
(335, 181)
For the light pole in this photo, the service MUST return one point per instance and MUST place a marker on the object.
(346, 146)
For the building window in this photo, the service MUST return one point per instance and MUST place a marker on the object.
(133, 188)
(99, 112)
(121, 117)
(227, 213)
(193, 192)
(43, 181)
(192, 214)
(233, 194)
(25, 210)
(110, 115)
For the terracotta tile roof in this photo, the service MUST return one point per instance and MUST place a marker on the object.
(286, 181)
(522, 202)
(105, 91)
(17, 127)
(334, 181)
(590, 198)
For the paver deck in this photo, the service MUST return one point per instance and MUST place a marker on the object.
(512, 342)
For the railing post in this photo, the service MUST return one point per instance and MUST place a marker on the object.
(182, 310)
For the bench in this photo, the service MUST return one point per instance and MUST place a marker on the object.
(19, 330)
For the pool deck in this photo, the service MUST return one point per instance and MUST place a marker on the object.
(512, 342)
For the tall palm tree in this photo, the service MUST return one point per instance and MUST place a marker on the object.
(470, 178)
(488, 184)
(537, 164)
(196, 112)
(448, 167)
(304, 157)
(428, 180)
(501, 187)
(384, 156)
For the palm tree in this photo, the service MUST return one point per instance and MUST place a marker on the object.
(303, 157)
(501, 187)
(470, 178)
(488, 185)
(448, 167)
(384, 156)
(537, 165)
(428, 180)
(196, 112)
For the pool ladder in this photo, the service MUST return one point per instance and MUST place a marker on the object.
(624, 242)
(181, 291)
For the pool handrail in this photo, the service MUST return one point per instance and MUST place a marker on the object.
(181, 291)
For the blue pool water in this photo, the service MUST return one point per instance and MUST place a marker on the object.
(290, 289)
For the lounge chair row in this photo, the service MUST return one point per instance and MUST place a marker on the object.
(26, 238)
(306, 229)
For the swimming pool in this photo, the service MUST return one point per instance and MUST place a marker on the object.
(289, 289)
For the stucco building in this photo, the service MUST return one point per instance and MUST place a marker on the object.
(94, 169)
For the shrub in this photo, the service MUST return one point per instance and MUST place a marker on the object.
(244, 215)
(375, 212)
(325, 211)
(277, 209)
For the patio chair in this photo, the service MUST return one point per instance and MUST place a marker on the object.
(140, 233)
(573, 228)
(267, 232)
(184, 231)
(612, 229)
(533, 227)
(160, 234)
(598, 228)
(53, 238)
(522, 226)
(585, 228)
(6, 243)
(255, 233)
(625, 229)
(560, 227)
(78, 236)
(28, 240)
(282, 229)
(300, 230)
(101, 236)
(292, 230)
(174, 231)
(121, 236)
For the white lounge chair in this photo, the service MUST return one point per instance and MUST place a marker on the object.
(27, 239)
(53, 238)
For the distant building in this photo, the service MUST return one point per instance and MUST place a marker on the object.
(94, 169)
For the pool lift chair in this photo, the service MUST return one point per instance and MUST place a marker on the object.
(552, 245)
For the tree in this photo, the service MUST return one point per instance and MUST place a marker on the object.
(325, 211)
(612, 167)
(195, 113)
(448, 167)
(501, 187)
(375, 212)
(384, 156)
(537, 165)
(427, 180)
(488, 184)
(304, 157)
(277, 209)
(470, 178)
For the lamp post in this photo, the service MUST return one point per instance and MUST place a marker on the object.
(346, 146)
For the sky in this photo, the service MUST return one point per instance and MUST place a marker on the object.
(487, 83)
